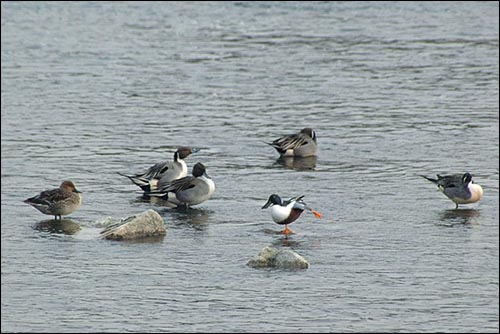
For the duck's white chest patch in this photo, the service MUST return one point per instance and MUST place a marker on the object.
(211, 185)
(280, 213)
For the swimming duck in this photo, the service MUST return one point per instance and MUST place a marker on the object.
(57, 202)
(286, 212)
(163, 172)
(302, 144)
(458, 187)
(189, 190)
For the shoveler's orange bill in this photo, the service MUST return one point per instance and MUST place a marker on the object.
(316, 214)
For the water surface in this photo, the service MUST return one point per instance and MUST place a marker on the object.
(393, 90)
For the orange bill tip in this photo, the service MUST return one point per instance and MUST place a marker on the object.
(316, 214)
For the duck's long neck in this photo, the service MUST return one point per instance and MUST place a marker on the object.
(184, 168)
(182, 163)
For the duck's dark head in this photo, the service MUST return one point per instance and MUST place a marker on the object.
(310, 132)
(273, 200)
(466, 178)
(199, 170)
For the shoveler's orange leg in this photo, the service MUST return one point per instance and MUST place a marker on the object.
(316, 214)
(286, 231)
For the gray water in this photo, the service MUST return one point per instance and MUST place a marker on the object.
(393, 90)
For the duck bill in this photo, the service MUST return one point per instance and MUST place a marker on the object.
(267, 204)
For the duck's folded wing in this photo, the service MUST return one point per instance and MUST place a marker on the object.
(155, 171)
(48, 197)
(449, 181)
(183, 183)
(290, 142)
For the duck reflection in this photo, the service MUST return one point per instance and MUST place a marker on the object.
(145, 240)
(194, 217)
(460, 216)
(298, 163)
(160, 202)
(65, 226)
(155, 201)
(285, 242)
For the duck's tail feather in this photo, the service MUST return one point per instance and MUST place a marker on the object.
(144, 184)
(429, 179)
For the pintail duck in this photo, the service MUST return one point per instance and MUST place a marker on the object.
(163, 172)
(458, 187)
(189, 190)
(57, 202)
(286, 212)
(302, 144)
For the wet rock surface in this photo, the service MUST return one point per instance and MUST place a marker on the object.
(270, 257)
(144, 225)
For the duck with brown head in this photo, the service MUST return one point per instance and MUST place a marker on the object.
(57, 202)
(162, 173)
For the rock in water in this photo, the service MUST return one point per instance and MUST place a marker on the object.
(66, 226)
(270, 257)
(146, 224)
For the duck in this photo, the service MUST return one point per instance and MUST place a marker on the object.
(302, 144)
(286, 212)
(460, 188)
(163, 173)
(189, 190)
(57, 202)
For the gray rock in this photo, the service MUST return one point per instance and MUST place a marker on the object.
(146, 224)
(270, 257)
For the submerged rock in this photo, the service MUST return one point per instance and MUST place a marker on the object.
(66, 226)
(146, 224)
(270, 257)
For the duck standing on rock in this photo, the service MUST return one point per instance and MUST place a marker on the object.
(57, 202)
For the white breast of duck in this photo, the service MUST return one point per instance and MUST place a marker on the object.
(210, 185)
(476, 192)
(281, 213)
